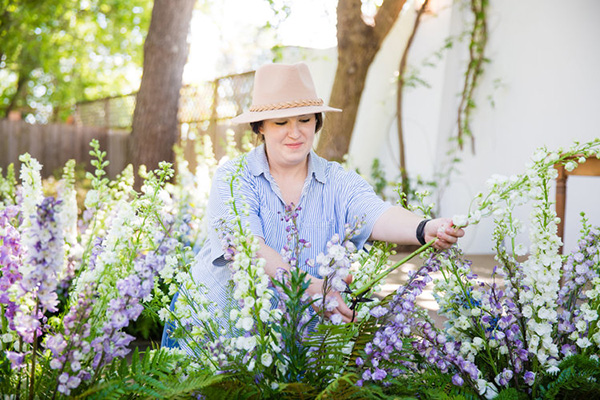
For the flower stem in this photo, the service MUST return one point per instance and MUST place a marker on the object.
(33, 355)
(385, 273)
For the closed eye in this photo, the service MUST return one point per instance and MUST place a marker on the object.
(281, 123)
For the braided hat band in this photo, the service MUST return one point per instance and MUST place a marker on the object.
(282, 91)
(287, 104)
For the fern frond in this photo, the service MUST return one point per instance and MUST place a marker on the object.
(330, 352)
(344, 387)
(152, 376)
(579, 378)
(296, 391)
(366, 332)
(430, 384)
(229, 388)
(511, 394)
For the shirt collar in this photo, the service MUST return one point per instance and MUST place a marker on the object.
(258, 164)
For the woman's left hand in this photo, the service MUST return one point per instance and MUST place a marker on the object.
(444, 231)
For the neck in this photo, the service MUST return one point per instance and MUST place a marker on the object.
(293, 172)
(290, 180)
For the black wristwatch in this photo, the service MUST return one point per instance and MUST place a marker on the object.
(421, 231)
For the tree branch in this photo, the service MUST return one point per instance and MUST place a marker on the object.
(386, 17)
(401, 72)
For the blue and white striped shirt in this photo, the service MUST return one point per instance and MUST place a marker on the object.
(331, 197)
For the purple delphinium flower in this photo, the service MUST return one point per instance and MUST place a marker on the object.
(504, 377)
(16, 359)
(495, 320)
(34, 261)
(578, 271)
(11, 256)
(227, 239)
(444, 354)
(44, 245)
(291, 254)
(334, 266)
(529, 377)
(113, 343)
(397, 321)
(457, 380)
(70, 349)
(292, 250)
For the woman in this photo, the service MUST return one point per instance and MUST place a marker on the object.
(286, 114)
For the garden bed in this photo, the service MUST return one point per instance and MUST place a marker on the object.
(73, 279)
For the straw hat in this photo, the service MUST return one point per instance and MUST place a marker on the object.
(282, 91)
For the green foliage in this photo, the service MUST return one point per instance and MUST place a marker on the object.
(430, 384)
(330, 354)
(411, 191)
(477, 59)
(579, 378)
(54, 53)
(230, 388)
(147, 326)
(296, 354)
(154, 375)
(378, 178)
(511, 394)
(366, 331)
(5, 371)
(8, 186)
(344, 387)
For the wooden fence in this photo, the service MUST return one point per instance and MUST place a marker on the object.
(53, 144)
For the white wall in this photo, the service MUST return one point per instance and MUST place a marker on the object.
(543, 80)
(542, 77)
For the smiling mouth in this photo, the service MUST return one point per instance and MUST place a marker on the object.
(294, 145)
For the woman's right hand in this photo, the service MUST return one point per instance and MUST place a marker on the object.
(316, 288)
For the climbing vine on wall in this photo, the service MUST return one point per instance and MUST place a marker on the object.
(477, 36)
(477, 59)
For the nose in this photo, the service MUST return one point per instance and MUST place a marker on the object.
(294, 131)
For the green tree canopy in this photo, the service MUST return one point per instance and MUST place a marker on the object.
(54, 53)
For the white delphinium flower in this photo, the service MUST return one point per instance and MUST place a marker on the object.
(583, 343)
(120, 229)
(68, 215)
(460, 220)
(31, 187)
(542, 271)
(487, 389)
(587, 313)
(266, 359)
(571, 165)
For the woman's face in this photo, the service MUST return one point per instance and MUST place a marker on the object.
(289, 140)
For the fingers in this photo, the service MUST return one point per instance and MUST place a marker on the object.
(447, 235)
(348, 279)
(341, 309)
(316, 288)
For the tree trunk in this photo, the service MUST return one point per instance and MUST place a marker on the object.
(358, 44)
(21, 87)
(155, 126)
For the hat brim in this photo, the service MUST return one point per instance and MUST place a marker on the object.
(250, 116)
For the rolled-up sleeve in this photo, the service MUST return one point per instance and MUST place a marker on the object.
(362, 203)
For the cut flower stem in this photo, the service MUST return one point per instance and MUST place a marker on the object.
(364, 289)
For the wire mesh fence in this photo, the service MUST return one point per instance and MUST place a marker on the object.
(111, 112)
(203, 110)
(201, 105)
